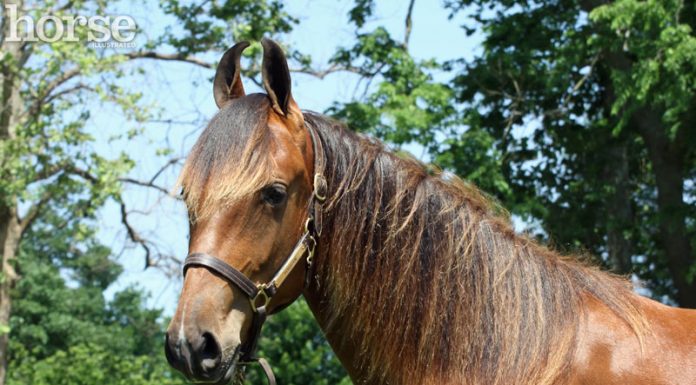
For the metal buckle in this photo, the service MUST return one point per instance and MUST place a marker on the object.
(319, 187)
(261, 294)
(312, 244)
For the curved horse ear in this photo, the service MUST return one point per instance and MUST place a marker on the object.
(228, 84)
(276, 79)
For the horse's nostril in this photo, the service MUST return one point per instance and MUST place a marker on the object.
(209, 353)
(200, 357)
(171, 352)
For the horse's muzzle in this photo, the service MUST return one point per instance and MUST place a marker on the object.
(199, 358)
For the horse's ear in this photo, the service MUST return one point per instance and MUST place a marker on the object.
(228, 84)
(276, 79)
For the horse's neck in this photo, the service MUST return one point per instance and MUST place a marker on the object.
(346, 354)
(417, 274)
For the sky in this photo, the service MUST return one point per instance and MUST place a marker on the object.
(182, 96)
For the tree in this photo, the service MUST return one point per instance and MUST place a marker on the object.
(577, 114)
(65, 333)
(613, 90)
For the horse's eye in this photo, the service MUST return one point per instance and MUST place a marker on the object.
(274, 194)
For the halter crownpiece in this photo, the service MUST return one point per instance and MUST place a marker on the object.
(260, 294)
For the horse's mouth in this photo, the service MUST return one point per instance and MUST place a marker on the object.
(226, 371)
(228, 367)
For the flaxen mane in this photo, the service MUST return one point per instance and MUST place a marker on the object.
(421, 269)
(428, 278)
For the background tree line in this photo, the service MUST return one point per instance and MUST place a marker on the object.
(578, 116)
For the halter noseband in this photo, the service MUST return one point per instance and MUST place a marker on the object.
(260, 294)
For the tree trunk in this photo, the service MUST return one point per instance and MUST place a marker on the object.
(616, 175)
(9, 236)
(667, 158)
(619, 209)
(10, 229)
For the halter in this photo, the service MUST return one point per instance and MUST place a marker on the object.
(260, 294)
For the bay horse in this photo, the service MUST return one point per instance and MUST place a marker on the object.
(415, 277)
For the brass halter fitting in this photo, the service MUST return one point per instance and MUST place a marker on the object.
(312, 244)
(262, 296)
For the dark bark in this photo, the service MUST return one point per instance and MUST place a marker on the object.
(668, 164)
(619, 207)
(616, 175)
(667, 156)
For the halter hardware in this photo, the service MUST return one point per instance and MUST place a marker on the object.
(260, 294)
(320, 187)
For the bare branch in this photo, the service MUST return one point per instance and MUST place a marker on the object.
(34, 211)
(68, 4)
(72, 73)
(321, 74)
(169, 57)
(561, 110)
(409, 23)
(171, 162)
(84, 174)
(134, 236)
(151, 182)
(67, 75)
(48, 172)
(153, 255)
(318, 73)
(47, 98)
(145, 184)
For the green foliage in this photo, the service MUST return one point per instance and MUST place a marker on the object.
(546, 118)
(50, 139)
(361, 11)
(214, 26)
(580, 86)
(72, 335)
(664, 51)
(66, 332)
(407, 105)
(92, 364)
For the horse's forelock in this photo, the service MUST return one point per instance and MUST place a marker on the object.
(231, 158)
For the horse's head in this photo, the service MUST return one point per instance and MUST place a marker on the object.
(247, 183)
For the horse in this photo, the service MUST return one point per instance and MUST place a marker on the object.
(414, 276)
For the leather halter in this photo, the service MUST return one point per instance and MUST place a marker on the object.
(260, 294)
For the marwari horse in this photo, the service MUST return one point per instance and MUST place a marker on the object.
(417, 278)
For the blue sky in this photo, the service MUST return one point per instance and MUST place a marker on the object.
(182, 95)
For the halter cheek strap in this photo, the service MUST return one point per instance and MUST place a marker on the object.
(260, 294)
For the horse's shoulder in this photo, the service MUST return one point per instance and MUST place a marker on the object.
(609, 352)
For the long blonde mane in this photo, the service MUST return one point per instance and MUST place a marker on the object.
(424, 277)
